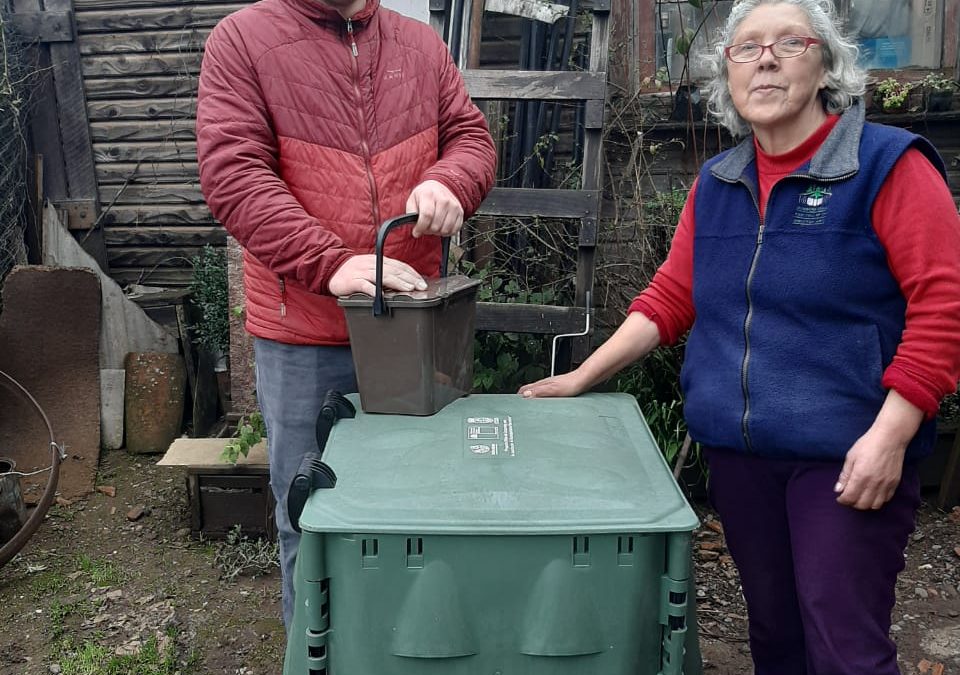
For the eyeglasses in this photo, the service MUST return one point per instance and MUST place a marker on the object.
(784, 48)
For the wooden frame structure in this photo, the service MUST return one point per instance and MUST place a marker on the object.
(581, 204)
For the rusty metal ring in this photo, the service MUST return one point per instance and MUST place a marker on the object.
(12, 547)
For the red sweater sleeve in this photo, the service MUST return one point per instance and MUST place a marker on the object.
(468, 158)
(916, 220)
(668, 300)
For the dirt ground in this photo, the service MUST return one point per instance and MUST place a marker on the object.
(121, 575)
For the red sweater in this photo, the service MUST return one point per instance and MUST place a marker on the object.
(925, 260)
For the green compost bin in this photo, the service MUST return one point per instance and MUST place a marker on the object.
(500, 536)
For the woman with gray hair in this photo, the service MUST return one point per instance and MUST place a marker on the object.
(816, 266)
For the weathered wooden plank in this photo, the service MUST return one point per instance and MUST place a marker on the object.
(161, 193)
(545, 203)
(135, 87)
(153, 18)
(142, 109)
(534, 85)
(125, 65)
(543, 319)
(176, 40)
(71, 106)
(44, 26)
(152, 256)
(213, 235)
(160, 130)
(168, 277)
(158, 214)
(113, 173)
(164, 151)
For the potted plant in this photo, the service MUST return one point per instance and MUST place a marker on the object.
(208, 288)
(938, 92)
(891, 95)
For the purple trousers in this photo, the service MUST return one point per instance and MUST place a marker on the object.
(818, 577)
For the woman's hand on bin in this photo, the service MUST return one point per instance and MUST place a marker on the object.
(359, 275)
(567, 384)
(440, 211)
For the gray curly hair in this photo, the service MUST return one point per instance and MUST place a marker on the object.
(845, 79)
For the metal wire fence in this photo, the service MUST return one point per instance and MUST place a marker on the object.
(14, 84)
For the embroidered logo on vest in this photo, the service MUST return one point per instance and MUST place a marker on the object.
(812, 209)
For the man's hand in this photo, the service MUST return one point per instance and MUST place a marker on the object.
(359, 275)
(440, 212)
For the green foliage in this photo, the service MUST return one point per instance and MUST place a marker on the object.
(101, 572)
(208, 287)
(893, 93)
(504, 361)
(949, 413)
(250, 431)
(91, 658)
(938, 82)
(655, 382)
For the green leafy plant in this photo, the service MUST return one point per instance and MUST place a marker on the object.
(208, 287)
(938, 92)
(504, 361)
(938, 82)
(250, 431)
(893, 94)
(655, 382)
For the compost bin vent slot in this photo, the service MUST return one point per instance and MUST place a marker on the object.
(415, 552)
(625, 547)
(581, 551)
(369, 553)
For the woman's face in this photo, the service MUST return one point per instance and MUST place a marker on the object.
(777, 93)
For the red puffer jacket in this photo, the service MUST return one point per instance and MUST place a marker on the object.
(312, 130)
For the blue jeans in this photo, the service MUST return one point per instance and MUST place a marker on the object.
(291, 383)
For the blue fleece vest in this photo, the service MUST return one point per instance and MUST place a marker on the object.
(796, 316)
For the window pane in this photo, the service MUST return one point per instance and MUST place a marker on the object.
(677, 20)
(897, 33)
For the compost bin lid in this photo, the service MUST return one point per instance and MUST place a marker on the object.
(438, 291)
(500, 464)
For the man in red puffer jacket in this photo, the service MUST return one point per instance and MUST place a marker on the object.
(316, 121)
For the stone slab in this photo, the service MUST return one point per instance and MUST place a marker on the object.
(49, 336)
(111, 408)
(126, 327)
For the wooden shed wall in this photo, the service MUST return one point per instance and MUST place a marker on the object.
(140, 61)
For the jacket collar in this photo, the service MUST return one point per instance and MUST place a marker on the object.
(837, 157)
(316, 10)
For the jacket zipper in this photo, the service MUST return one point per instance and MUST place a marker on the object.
(748, 319)
(745, 365)
(363, 125)
(283, 298)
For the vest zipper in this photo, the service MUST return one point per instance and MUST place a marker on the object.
(745, 364)
(367, 163)
(748, 319)
(283, 298)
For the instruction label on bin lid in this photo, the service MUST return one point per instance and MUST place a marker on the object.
(489, 437)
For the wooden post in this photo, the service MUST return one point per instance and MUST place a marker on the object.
(950, 485)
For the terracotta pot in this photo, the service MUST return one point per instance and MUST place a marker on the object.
(155, 384)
